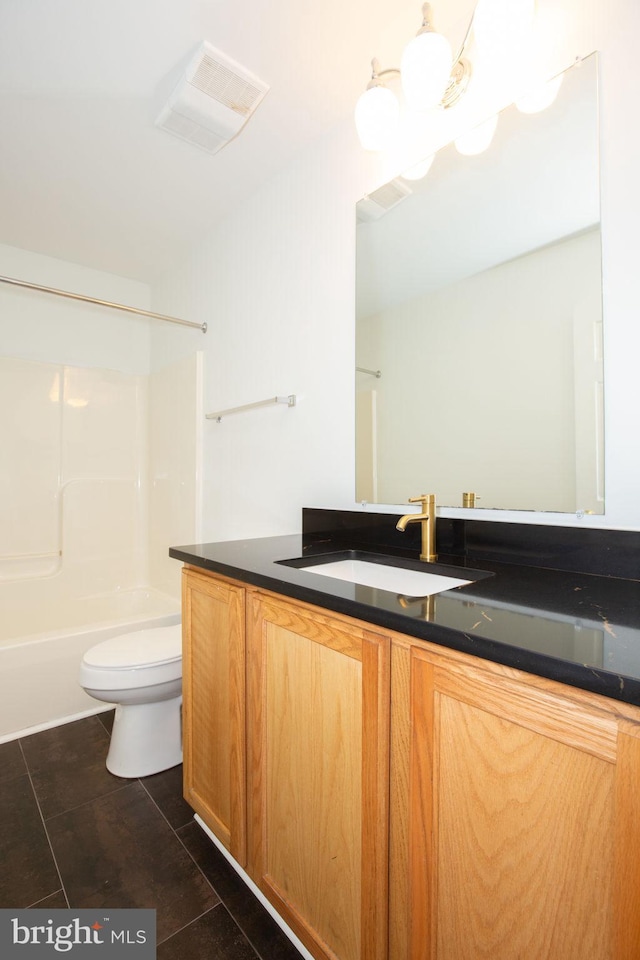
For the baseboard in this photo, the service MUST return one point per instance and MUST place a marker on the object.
(256, 891)
(58, 722)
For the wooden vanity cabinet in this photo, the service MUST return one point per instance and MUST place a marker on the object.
(213, 709)
(318, 775)
(288, 744)
(515, 815)
(395, 800)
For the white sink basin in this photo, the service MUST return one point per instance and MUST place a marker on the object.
(413, 583)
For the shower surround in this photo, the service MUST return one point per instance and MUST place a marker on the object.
(99, 478)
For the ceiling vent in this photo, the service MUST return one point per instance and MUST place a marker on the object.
(380, 201)
(213, 101)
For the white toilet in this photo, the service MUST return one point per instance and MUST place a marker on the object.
(141, 672)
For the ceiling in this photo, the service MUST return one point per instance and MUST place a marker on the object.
(85, 175)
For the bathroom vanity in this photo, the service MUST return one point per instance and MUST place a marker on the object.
(439, 777)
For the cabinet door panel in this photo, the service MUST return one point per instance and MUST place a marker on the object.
(514, 876)
(213, 710)
(318, 772)
(520, 844)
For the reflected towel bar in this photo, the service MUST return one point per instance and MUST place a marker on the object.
(372, 373)
(290, 402)
(102, 303)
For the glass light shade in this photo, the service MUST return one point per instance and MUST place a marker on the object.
(500, 25)
(534, 101)
(425, 69)
(477, 140)
(377, 117)
(418, 170)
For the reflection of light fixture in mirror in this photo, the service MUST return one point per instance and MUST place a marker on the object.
(477, 140)
(431, 77)
(419, 170)
(377, 112)
(538, 99)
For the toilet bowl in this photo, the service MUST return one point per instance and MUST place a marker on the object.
(141, 672)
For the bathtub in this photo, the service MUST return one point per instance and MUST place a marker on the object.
(39, 668)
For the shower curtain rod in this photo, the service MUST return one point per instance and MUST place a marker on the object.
(103, 303)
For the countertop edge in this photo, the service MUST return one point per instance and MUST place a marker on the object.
(583, 676)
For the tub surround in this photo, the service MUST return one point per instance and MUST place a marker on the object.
(39, 673)
(560, 603)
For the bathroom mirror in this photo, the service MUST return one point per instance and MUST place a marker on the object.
(479, 302)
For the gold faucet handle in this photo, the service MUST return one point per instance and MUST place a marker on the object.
(425, 498)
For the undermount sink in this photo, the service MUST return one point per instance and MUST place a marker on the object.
(414, 583)
(397, 576)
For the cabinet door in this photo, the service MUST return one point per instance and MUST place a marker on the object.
(524, 819)
(214, 707)
(318, 776)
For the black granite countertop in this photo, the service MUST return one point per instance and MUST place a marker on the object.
(578, 628)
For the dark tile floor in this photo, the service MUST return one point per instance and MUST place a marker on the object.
(73, 835)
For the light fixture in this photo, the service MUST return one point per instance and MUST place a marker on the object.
(418, 170)
(540, 97)
(425, 67)
(476, 141)
(377, 111)
(430, 75)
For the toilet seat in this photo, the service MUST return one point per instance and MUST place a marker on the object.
(140, 648)
(141, 658)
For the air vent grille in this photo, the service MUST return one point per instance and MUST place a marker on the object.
(228, 88)
(390, 194)
(213, 100)
(187, 129)
(380, 201)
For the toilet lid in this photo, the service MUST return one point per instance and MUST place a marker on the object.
(137, 649)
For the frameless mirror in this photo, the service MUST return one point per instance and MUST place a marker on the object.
(479, 303)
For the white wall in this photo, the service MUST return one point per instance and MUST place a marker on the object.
(39, 326)
(275, 282)
(175, 466)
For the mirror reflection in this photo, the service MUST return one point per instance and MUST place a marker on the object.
(479, 306)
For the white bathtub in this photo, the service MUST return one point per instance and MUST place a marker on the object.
(39, 669)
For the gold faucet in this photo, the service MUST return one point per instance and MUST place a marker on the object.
(428, 520)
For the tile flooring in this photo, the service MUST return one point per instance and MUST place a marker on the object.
(73, 835)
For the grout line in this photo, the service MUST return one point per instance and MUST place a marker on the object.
(156, 804)
(186, 925)
(85, 803)
(183, 845)
(46, 832)
(244, 933)
(42, 899)
(237, 920)
(105, 727)
(220, 902)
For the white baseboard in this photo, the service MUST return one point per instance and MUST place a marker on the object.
(255, 890)
(58, 722)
